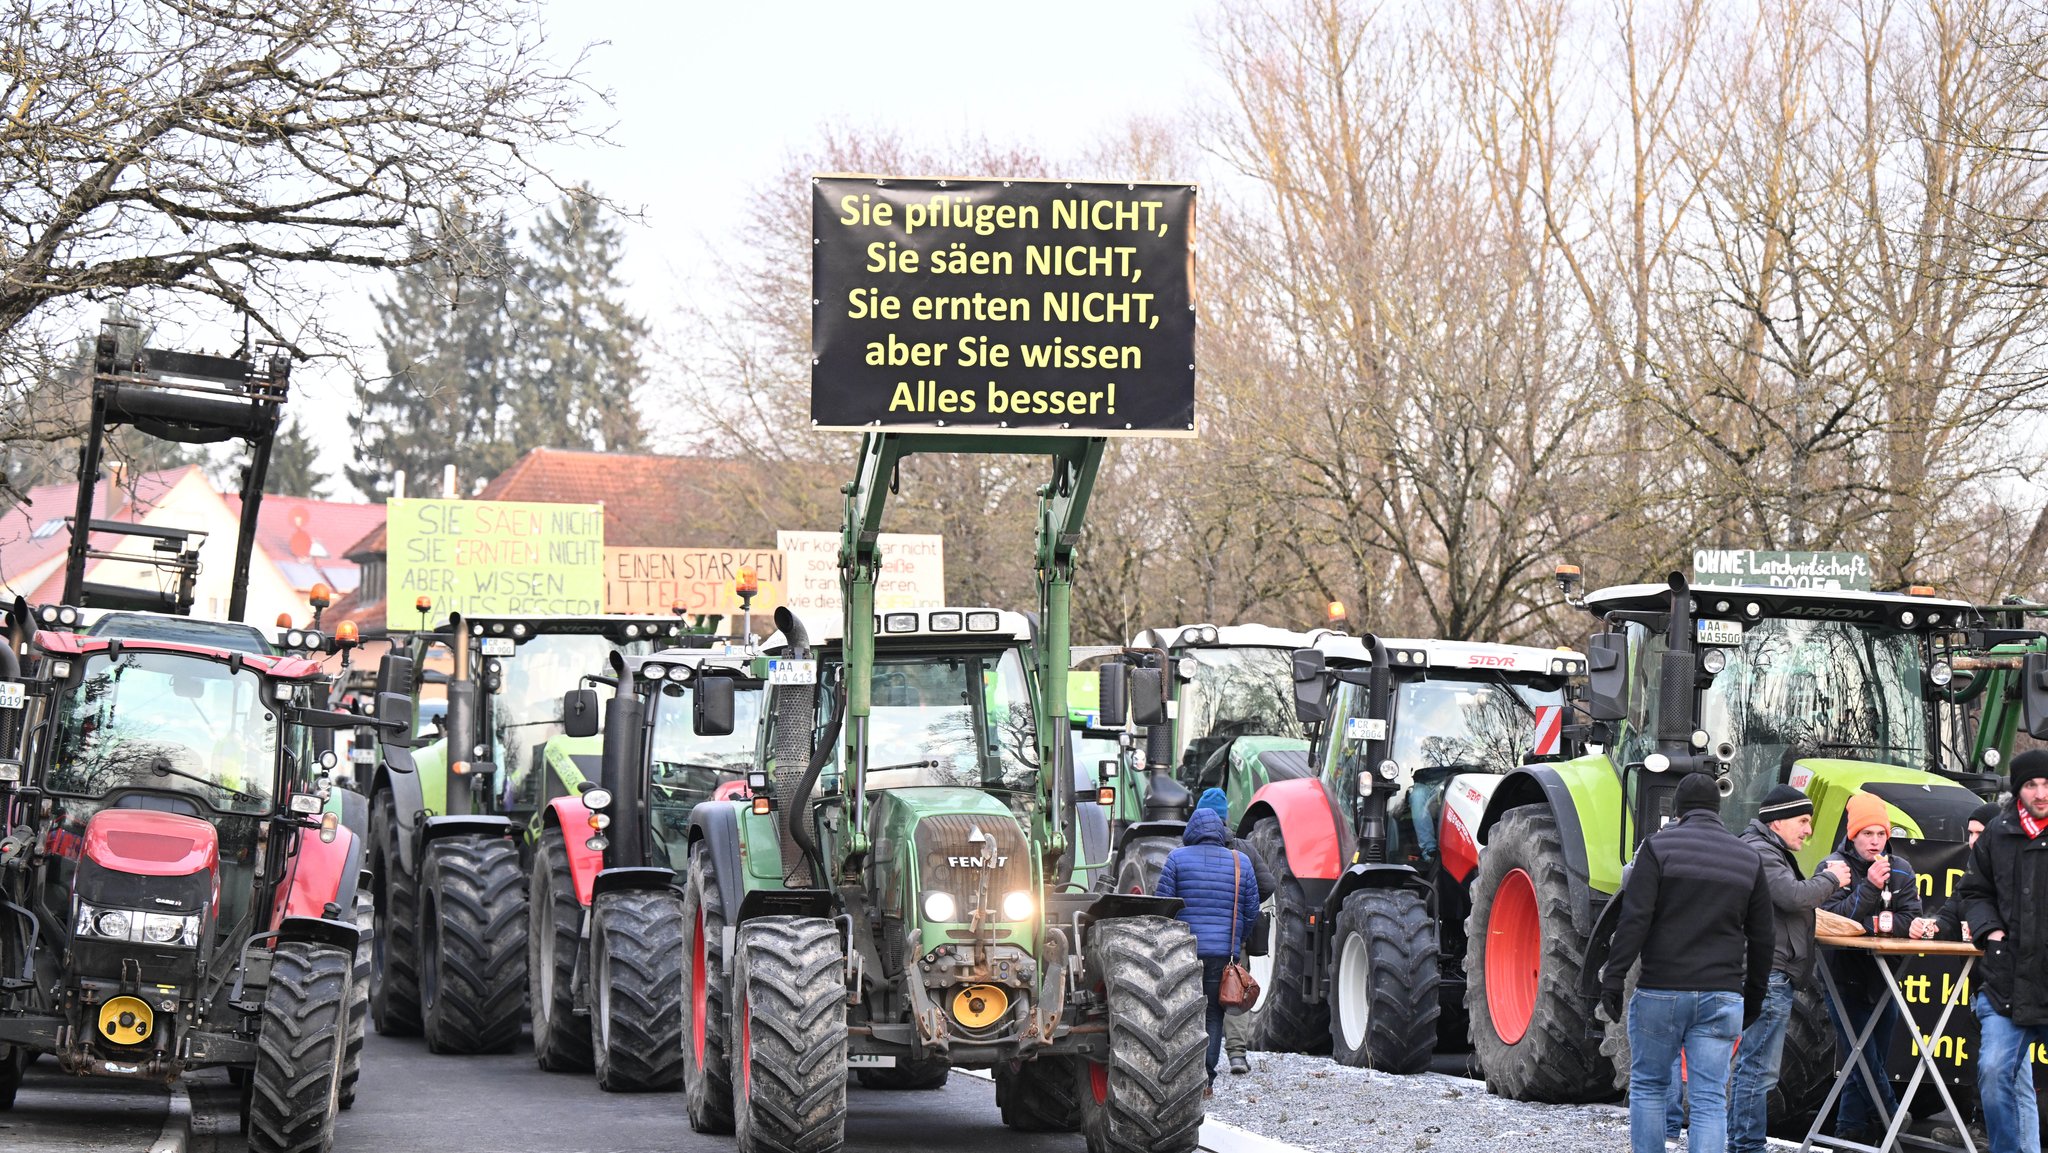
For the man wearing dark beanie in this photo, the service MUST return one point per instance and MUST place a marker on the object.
(1696, 911)
(1781, 828)
(2005, 903)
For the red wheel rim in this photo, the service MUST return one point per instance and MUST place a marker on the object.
(697, 990)
(1514, 956)
(1098, 1081)
(746, 1054)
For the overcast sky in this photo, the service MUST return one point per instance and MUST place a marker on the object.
(709, 101)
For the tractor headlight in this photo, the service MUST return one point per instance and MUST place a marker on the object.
(1714, 660)
(594, 799)
(139, 928)
(1017, 906)
(1941, 674)
(1389, 769)
(939, 907)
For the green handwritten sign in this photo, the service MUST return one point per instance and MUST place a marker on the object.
(494, 558)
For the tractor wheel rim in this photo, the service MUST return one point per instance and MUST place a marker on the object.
(1098, 1081)
(430, 952)
(1514, 956)
(698, 991)
(1262, 966)
(543, 932)
(601, 962)
(1354, 991)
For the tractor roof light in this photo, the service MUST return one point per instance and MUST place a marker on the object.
(347, 635)
(899, 622)
(1334, 611)
(423, 604)
(745, 584)
(321, 596)
(1919, 590)
(983, 622)
(520, 630)
(943, 622)
(284, 620)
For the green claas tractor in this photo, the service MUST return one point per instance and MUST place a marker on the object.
(451, 824)
(605, 928)
(1831, 691)
(177, 895)
(896, 897)
(1369, 852)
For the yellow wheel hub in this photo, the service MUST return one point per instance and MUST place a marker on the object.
(126, 1021)
(979, 1006)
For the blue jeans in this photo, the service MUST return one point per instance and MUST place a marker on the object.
(1756, 1069)
(1855, 1111)
(2005, 1079)
(1212, 979)
(1662, 1023)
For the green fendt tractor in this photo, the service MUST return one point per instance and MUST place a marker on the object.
(450, 824)
(1830, 691)
(605, 928)
(888, 901)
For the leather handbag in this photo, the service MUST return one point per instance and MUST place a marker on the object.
(1237, 989)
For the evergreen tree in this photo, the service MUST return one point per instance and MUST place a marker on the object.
(576, 360)
(442, 402)
(294, 464)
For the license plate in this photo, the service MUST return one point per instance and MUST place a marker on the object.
(11, 695)
(499, 647)
(871, 1060)
(1365, 729)
(787, 671)
(1724, 633)
(363, 756)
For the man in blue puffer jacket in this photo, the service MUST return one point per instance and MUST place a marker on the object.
(1219, 900)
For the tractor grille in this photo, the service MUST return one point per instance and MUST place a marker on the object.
(944, 852)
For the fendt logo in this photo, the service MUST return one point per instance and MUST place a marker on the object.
(996, 862)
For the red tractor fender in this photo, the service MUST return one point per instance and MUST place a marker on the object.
(572, 816)
(1308, 826)
(319, 871)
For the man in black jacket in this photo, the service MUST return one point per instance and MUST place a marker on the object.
(1697, 911)
(1781, 828)
(2005, 902)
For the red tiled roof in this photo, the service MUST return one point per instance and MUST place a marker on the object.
(648, 500)
(309, 540)
(34, 531)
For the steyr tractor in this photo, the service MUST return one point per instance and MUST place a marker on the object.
(450, 824)
(176, 896)
(1368, 854)
(605, 929)
(895, 897)
(1831, 691)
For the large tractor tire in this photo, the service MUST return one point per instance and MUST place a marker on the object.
(707, 1068)
(472, 945)
(1383, 999)
(1140, 861)
(1282, 1019)
(1806, 1070)
(1041, 1096)
(1147, 1096)
(1532, 1035)
(295, 1089)
(930, 1073)
(636, 991)
(358, 1003)
(395, 948)
(789, 1036)
(554, 937)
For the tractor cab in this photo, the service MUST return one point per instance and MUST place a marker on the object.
(1230, 684)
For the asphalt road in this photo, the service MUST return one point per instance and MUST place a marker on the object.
(412, 1102)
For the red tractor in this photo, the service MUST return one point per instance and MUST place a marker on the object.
(177, 897)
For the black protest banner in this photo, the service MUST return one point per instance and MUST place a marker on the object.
(1026, 306)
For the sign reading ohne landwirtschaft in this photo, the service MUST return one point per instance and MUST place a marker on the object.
(1025, 306)
(1777, 569)
(494, 557)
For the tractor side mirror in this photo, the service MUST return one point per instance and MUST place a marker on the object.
(1148, 697)
(579, 713)
(1113, 695)
(2034, 694)
(394, 674)
(1311, 691)
(1607, 677)
(394, 720)
(711, 712)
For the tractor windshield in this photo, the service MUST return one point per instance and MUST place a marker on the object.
(1465, 726)
(526, 705)
(168, 723)
(1239, 692)
(685, 769)
(963, 720)
(1797, 689)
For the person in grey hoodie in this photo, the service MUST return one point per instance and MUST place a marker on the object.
(1780, 829)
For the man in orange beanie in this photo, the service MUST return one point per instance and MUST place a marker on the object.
(1884, 898)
